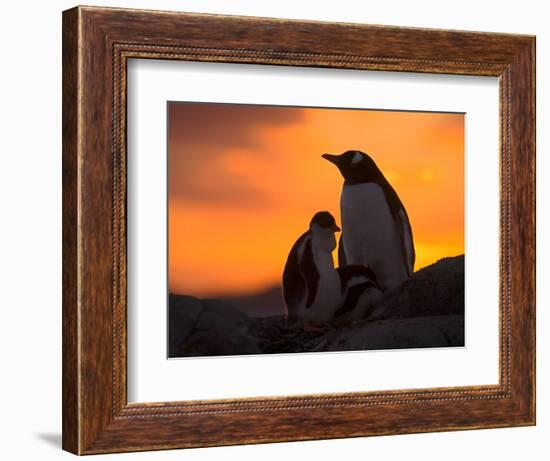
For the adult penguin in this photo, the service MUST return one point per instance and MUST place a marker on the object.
(376, 229)
(311, 285)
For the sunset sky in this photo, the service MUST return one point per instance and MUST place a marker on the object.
(244, 182)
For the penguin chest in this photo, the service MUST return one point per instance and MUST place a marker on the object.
(328, 298)
(370, 233)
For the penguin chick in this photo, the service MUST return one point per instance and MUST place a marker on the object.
(311, 285)
(360, 294)
(376, 229)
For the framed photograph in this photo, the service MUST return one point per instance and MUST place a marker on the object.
(281, 230)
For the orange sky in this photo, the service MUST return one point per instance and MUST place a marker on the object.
(244, 182)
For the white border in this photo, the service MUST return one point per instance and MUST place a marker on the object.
(151, 377)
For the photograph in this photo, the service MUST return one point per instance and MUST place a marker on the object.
(313, 229)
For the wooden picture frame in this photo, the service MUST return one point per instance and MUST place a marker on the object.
(97, 43)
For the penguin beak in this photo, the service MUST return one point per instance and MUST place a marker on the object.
(331, 158)
(336, 228)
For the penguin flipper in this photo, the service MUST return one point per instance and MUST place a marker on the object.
(407, 241)
(404, 226)
(294, 284)
(342, 260)
(310, 273)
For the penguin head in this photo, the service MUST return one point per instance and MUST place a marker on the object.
(355, 166)
(323, 220)
(323, 226)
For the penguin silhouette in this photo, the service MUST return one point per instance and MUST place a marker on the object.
(311, 285)
(376, 228)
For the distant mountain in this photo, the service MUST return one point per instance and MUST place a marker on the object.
(266, 303)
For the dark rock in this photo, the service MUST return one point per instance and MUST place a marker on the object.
(278, 336)
(208, 327)
(441, 331)
(183, 312)
(435, 290)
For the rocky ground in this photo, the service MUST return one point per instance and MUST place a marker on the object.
(427, 311)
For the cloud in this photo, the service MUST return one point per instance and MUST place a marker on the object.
(225, 125)
(201, 138)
